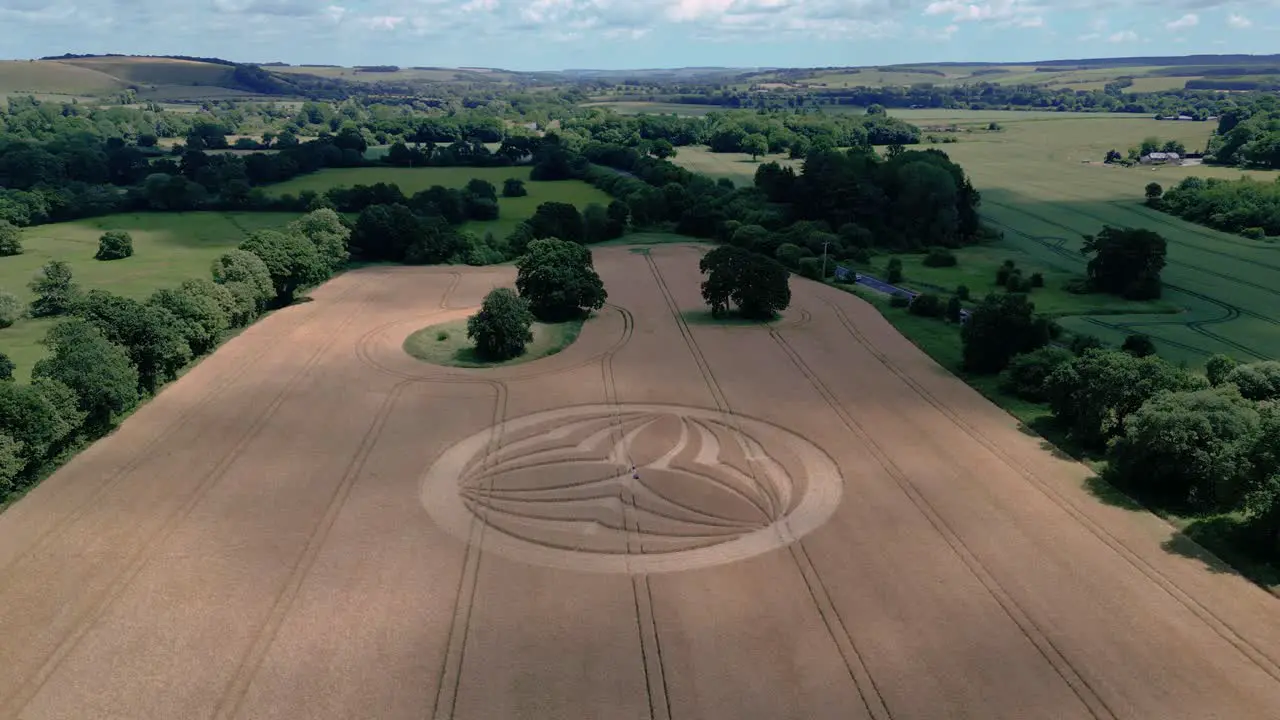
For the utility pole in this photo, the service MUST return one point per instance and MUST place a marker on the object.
(824, 259)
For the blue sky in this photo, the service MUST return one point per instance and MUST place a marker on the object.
(557, 34)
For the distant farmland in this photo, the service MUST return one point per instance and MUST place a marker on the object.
(1043, 184)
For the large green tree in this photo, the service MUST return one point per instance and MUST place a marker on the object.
(35, 416)
(241, 267)
(1094, 393)
(10, 239)
(11, 462)
(1187, 449)
(385, 232)
(97, 370)
(201, 317)
(291, 259)
(501, 329)
(325, 229)
(1126, 261)
(1003, 325)
(755, 145)
(759, 286)
(151, 334)
(1257, 381)
(11, 309)
(55, 290)
(558, 220)
(559, 280)
(1262, 513)
(1026, 374)
(114, 245)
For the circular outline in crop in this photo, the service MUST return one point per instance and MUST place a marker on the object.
(441, 496)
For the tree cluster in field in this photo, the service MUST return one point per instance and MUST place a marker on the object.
(108, 352)
(114, 245)
(1173, 438)
(423, 229)
(1146, 147)
(915, 199)
(1009, 276)
(1248, 134)
(1125, 262)
(556, 281)
(1246, 206)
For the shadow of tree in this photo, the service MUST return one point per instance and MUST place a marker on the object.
(1225, 544)
(1109, 494)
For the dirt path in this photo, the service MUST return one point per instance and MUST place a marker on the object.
(821, 523)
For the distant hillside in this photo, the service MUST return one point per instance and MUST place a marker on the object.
(56, 78)
(1136, 74)
(166, 78)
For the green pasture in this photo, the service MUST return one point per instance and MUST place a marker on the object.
(412, 180)
(738, 167)
(1044, 186)
(168, 248)
(976, 269)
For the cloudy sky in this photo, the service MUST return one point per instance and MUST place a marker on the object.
(557, 34)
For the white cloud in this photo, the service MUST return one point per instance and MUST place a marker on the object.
(1003, 13)
(1122, 36)
(1189, 20)
(1239, 22)
(382, 22)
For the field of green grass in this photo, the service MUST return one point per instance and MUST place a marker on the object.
(412, 180)
(738, 167)
(168, 248)
(1042, 184)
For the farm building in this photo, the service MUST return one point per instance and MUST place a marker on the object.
(1161, 158)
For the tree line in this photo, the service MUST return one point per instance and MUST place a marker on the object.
(1246, 206)
(1200, 103)
(1248, 134)
(841, 202)
(107, 352)
(741, 131)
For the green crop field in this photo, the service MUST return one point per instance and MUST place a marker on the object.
(168, 248)
(412, 180)
(1044, 186)
(1091, 75)
(46, 77)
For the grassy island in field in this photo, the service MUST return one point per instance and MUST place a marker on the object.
(447, 344)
